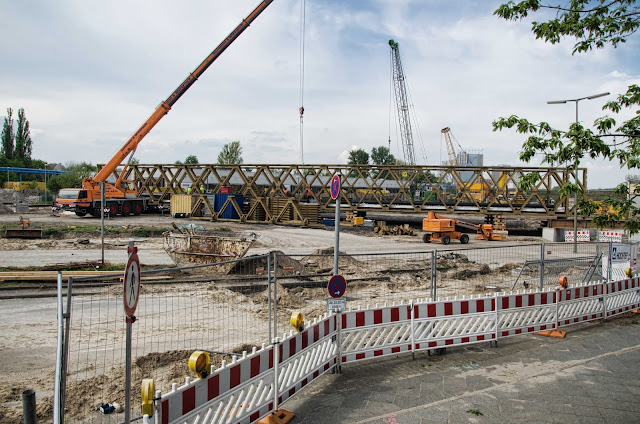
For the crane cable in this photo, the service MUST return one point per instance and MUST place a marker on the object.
(301, 110)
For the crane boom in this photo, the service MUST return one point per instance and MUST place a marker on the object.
(402, 104)
(452, 153)
(132, 143)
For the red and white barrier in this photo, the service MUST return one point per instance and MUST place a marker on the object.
(243, 391)
(375, 332)
(253, 386)
(610, 235)
(583, 235)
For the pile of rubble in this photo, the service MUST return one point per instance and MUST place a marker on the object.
(9, 198)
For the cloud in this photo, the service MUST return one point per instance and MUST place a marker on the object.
(89, 74)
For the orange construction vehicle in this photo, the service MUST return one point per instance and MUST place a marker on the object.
(122, 197)
(443, 229)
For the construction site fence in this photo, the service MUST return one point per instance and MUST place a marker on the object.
(231, 313)
(256, 384)
(225, 315)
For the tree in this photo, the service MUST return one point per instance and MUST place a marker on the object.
(231, 153)
(23, 142)
(7, 136)
(593, 24)
(358, 157)
(192, 159)
(382, 156)
(76, 172)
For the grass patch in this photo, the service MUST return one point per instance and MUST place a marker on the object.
(61, 232)
(475, 412)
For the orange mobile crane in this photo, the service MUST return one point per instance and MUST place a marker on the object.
(443, 229)
(122, 197)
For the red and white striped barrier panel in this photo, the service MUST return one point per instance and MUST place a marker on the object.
(375, 332)
(622, 296)
(526, 312)
(239, 390)
(305, 356)
(243, 391)
(454, 322)
(583, 235)
(610, 236)
(580, 303)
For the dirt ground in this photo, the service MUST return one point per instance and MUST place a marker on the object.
(29, 326)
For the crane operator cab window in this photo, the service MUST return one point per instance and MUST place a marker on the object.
(128, 185)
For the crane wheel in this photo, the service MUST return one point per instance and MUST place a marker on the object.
(445, 239)
(464, 239)
(426, 238)
(126, 209)
(81, 212)
(137, 208)
(113, 209)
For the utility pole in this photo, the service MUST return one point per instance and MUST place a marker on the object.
(575, 164)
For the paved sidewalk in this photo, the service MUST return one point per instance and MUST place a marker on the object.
(591, 376)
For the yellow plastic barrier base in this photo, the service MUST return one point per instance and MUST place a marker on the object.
(635, 311)
(553, 333)
(280, 416)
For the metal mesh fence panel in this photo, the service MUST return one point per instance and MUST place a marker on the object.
(504, 268)
(371, 278)
(476, 271)
(225, 315)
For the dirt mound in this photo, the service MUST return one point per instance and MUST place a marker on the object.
(470, 271)
(249, 266)
(322, 260)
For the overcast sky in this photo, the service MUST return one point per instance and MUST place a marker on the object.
(89, 73)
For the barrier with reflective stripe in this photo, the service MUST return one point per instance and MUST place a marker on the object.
(255, 385)
(244, 390)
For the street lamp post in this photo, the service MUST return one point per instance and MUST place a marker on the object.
(575, 164)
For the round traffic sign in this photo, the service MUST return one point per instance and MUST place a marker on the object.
(131, 284)
(335, 187)
(337, 286)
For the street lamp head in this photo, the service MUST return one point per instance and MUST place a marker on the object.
(556, 102)
(595, 96)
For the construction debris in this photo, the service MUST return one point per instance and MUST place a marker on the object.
(381, 229)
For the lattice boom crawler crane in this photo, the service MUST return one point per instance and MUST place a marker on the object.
(443, 229)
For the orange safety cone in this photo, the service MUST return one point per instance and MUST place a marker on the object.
(552, 333)
(279, 416)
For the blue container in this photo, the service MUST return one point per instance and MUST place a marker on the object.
(230, 212)
(329, 222)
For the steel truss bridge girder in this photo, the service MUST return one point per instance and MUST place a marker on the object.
(371, 188)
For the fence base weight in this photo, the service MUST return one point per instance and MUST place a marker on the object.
(279, 416)
(552, 333)
(635, 311)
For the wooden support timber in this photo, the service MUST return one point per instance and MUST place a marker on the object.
(298, 194)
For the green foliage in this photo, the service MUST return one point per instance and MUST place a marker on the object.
(592, 23)
(358, 157)
(231, 154)
(382, 156)
(23, 142)
(7, 137)
(475, 412)
(76, 172)
(191, 159)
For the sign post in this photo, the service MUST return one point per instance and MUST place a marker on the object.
(131, 295)
(335, 195)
